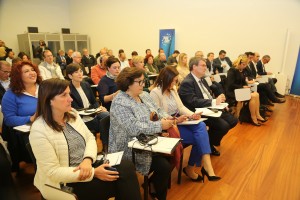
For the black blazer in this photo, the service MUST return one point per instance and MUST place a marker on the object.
(209, 65)
(191, 95)
(77, 101)
(69, 59)
(260, 68)
(253, 70)
(60, 63)
(217, 64)
(88, 62)
(2, 91)
(235, 80)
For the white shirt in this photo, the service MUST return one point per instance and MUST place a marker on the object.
(50, 71)
(124, 64)
(5, 84)
(225, 69)
(214, 101)
(85, 102)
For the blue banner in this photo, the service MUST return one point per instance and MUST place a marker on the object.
(296, 80)
(167, 41)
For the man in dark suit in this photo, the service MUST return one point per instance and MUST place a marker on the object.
(260, 66)
(222, 64)
(88, 60)
(61, 61)
(68, 57)
(5, 70)
(195, 93)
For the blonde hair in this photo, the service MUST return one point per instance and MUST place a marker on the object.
(181, 58)
(137, 59)
(241, 59)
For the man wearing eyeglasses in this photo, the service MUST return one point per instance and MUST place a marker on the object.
(195, 93)
(5, 69)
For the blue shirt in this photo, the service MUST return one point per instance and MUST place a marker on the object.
(17, 109)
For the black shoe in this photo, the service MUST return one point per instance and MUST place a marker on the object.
(214, 151)
(255, 124)
(270, 104)
(279, 95)
(198, 179)
(263, 121)
(210, 178)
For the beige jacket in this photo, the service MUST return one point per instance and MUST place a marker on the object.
(51, 152)
(161, 101)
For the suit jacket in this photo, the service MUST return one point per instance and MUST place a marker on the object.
(217, 64)
(88, 61)
(60, 63)
(235, 80)
(191, 95)
(253, 70)
(260, 68)
(69, 59)
(209, 65)
(77, 101)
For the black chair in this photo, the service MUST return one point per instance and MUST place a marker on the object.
(104, 129)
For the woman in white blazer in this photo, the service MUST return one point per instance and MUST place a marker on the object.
(65, 149)
(165, 95)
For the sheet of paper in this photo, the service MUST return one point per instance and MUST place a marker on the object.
(85, 113)
(209, 113)
(23, 128)
(219, 107)
(192, 122)
(114, 158)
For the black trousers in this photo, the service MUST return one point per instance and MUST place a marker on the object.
(126, 187)
(219, 126)
(161, 168)
(94, 126)
(265, 93)
(217, 88)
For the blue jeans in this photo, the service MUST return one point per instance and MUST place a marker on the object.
(197, 136)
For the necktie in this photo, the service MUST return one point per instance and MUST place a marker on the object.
(205, 89)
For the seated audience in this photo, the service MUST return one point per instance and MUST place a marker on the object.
(148, 52)
(19, 108)
(130, 116)
(209, 62)
(172, 61)
(24, 56)
(110, 52)
(236, 80)
(195, 93)
(138, 62)
(83, 98)
(107, 87)
(150, 65)
(182, 67)
(69, 58)
(48, 68)
(165, 96)
(99, 70)
(88, 60)
(71, 161)
(76, 56)
(133, 54)
(222, 64)
(40, 49)
(5, 70)
(161, 61)
(122, 57)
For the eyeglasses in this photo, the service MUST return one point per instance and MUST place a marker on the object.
(5, 72)
(141, 82)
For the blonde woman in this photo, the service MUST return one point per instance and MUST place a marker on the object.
(236, 78)
(182, 67)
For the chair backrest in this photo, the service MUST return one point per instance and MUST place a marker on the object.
(243, 94)
(54, 193)
(208, 81)
(104, 127)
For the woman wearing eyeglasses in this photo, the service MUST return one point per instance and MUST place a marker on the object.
(107, 87)
(165, 96)
(130, 116)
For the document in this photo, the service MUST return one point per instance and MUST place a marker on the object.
(114, 158)
(87, 112)
(192, 122)
(23, 128)
(208, 112)
(221, 106)
(163, 145)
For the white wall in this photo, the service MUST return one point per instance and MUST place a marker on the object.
(209, 25)
(17, 15)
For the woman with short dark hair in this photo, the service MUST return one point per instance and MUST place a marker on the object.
(130, 116)
(65, 149)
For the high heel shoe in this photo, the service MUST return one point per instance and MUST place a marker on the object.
(255, 124)
(263, 120)
(210, 178)
(198, 179)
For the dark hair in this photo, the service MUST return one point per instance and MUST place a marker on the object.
(194, 61)
(160, 49)
(16, 83)
(147, 58)
(165, 78)
(48, 89)
(121, 51)
(209, 54)
(71, 68)
(47, 50)
(249, 53)
(127, 76)
(147, 50)
(21, 54)
(176, 51)
(111, 60)
(134, 53)
(222, 51)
